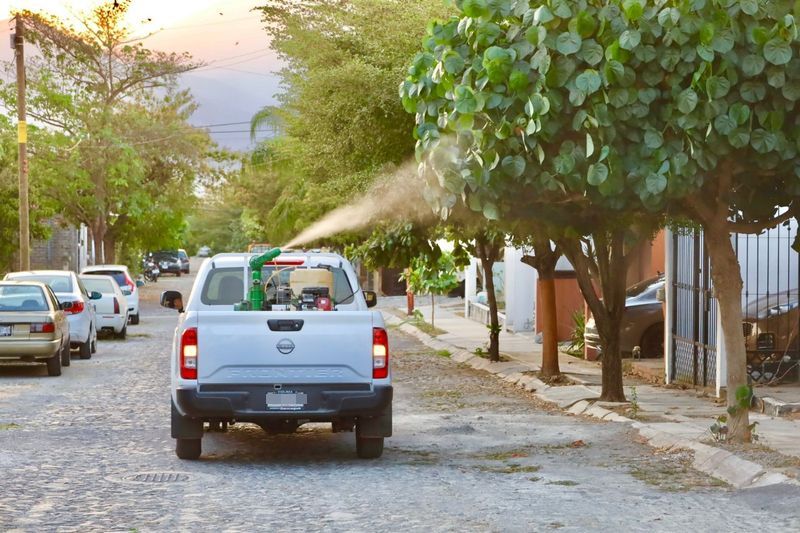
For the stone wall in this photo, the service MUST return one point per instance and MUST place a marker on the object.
(60, 252)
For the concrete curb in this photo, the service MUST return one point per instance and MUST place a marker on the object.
(775, 407)
(718, 463)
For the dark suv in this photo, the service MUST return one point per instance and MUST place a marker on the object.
(168, 262)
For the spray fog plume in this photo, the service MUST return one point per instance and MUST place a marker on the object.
(397, 196)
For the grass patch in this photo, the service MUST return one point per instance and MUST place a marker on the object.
(512, 468)
(443, 353)
(480, 352)
(10, 425)
(505, 455)
(564, 483)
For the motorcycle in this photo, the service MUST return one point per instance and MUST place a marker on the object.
(151, 271)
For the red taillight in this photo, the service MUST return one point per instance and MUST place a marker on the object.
(116, 306)
(189, 354)
(47, 327)
(380, 353)
(77, 307)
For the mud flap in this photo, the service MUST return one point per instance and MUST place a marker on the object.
(184, 427)
(376, 426)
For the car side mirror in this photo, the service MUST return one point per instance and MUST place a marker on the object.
(65, 305)
(139, 283)
(172, 300)
(94, 295)
(371, 297)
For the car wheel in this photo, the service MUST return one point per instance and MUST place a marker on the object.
(188, 448)
(94, 343)
(66, 356)
(85, 349)
(369, 447)
(54, 365)
(652, 342)
(122, 333)
(178, 274)
(135, 319)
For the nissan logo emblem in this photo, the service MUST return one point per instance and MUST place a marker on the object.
(285, 346)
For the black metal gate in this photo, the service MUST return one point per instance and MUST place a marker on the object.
(694, 312)
(770, 304)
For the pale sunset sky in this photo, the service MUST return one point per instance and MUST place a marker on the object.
(241, 72)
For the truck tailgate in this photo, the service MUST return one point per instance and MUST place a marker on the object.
(241, 347)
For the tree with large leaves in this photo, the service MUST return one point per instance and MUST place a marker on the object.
(679, 106)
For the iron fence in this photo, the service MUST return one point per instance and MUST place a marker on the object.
(770, 270)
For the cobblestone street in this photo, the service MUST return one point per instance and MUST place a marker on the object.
(469, 453)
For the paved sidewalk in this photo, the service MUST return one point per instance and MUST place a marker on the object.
(666, 417)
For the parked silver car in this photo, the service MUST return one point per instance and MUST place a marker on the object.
(81, 314)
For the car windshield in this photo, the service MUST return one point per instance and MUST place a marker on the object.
(103, 286)
(165, 256)
(646, 288)
(224, 285)
(59, 283)
(182, 254)
(22, 298)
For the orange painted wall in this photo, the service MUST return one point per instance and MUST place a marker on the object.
(568, 300)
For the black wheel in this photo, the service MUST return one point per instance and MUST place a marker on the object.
(85, 349)
(94, 344)
(54, 365)
(188, 448)
(123, 333)
(178, 274)
(369, 448)
(66, 356)
(652, 342)
(135, 319)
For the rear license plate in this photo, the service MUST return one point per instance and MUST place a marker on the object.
(5, 331)
(286, 400)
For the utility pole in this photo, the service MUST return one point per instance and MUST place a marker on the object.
(22, 137)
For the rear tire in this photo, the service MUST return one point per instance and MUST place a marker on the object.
(178, 274)
(652, 342)
(135, 319)
(123, 333)
(66, 356)
(189, 449)
(54, 365)
(369, 447)
(85, 349)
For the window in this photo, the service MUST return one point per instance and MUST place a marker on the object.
(224, 286)
(102, 286)
(22, 298)
(56, 282)
(116, 274)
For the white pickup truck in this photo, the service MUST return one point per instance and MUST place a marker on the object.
(302, 357)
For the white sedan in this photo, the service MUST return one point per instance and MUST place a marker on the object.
(112, 308)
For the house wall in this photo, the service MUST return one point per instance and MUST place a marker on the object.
(569, 300)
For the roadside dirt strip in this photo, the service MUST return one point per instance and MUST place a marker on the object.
(718, 463)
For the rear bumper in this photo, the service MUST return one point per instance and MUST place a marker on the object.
(248, 403)
(38, 349)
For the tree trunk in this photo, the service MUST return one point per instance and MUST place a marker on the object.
(98, 236)
(727, 278)
(109, 245)
(494, 322)
(610, 264)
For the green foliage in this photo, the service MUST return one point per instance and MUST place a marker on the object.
(433, 278)
(340, 121)
(622, 104)
(577, 341)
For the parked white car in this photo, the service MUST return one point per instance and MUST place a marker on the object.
(112, 308)
(123, 278)
(314, 352)
(81, 314)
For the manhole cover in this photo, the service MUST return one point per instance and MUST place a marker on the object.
(158, 477)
